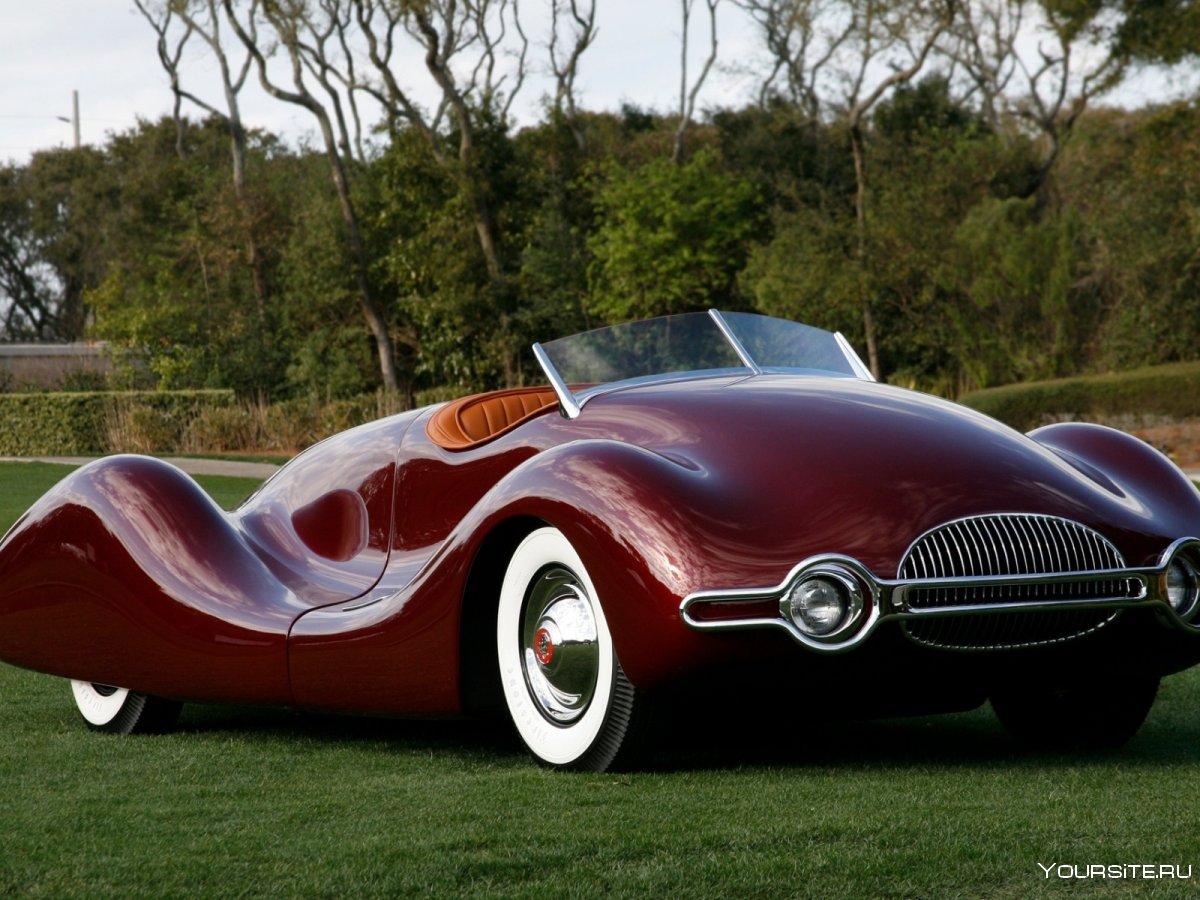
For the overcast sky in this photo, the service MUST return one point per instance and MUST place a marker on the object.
(106, 51)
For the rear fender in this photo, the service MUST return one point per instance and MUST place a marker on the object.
(126, 573)
(1151, 484)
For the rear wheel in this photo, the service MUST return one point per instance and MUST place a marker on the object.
(563, 685)
(1078, 715)
(122, 711)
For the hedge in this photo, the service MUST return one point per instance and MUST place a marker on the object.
(1171, 390)
(84, 424)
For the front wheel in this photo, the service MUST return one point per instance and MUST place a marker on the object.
(564, 688)
(1101, 714)
(122, 711)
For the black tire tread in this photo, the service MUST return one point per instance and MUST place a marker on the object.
(1075, 716)
(141, 714)
(626, 734)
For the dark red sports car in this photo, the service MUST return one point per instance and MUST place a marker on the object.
(695, 501)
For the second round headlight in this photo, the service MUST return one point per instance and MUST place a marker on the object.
(1183, 585)
(818, 605)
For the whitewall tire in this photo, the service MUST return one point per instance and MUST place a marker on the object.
(122, 711)
(563, 686)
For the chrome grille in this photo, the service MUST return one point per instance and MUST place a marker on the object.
(1017, 545)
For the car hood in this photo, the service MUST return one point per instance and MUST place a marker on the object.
(787, 467)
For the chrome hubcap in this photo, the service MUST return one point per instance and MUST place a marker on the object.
(559, 645)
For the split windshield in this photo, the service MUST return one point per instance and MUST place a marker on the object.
(701, 344)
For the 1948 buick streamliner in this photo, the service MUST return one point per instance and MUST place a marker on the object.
(693, 498)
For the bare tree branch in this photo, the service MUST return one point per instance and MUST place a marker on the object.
(1075, 58)
(379, 28)
(582, 31)
(802, 38)
(687, 97)
(982, 43)
(860, 105)
(325, 28)
(160, 19)
(884, 30)
(201, 17)
(444, 30)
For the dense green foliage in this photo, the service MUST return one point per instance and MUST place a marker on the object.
(671, 239)
(969, 249)
(1171, 390)
(70, 424)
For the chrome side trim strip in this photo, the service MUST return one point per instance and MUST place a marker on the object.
(855, 634)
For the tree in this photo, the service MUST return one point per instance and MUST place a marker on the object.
(202, 18)
(175, 294)
(581, 27)
(900, 38)
(290, 21)
(53, 242)
(947, 240)
(1132, 181)
(670, 238)
(855, 53)
(1026, 309)
(427, 254)
(27, 285)
(329, 354)
(1043, 62)
(444, 30)
(1159, 31)
(934, 163)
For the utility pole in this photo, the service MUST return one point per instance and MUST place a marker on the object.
(74, 120)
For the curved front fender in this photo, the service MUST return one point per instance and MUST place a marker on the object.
(649, 530)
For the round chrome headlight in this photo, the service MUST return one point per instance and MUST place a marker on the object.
(1183, 585)
(818, 605)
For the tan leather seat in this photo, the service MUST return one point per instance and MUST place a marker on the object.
(470, 421)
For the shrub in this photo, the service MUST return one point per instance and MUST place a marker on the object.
(1172, 390)
(294, 424)
(157, 422)
(218, 428)
(88, 423)
(287, 426)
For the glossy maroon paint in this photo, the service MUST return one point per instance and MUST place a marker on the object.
(342, 583)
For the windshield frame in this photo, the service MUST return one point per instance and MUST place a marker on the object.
(572, 402)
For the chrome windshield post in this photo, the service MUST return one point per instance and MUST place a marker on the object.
(745, 357)
(566, 400)
(856, 363)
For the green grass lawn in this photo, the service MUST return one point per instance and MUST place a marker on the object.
(249, 803)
